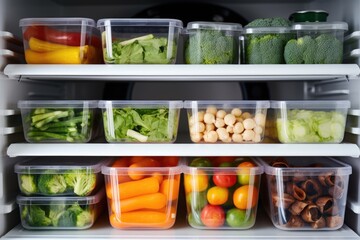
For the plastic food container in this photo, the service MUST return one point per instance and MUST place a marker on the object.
(309, 16)
(61, 41)
(57, 121)
(212, 43)
(59, 176)
(305, 193)
(222, 192)
(317, 43)
(141, 121)
(139, 41)
(265, 45)
(142, 192)
(310, 121)
(227, 121)
(54, 213)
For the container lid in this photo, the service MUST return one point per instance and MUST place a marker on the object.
(57, 22)
(141, 104)
(309, 16)
(57, 104)
(227, 104)
(330, 104)
(328, 165)
(108, 170)
(59, 165)
(259, 169)
(259, 30)
(321, 26)
(44, 200)
(146, 22)
(214, 26)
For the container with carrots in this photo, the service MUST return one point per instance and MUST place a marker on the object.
(142, 192)
(61, 41)
(222, 192)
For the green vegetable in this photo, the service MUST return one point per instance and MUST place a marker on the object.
(324, 49)
(303, 126)
(28, 184)
(239, 218)
(35, 216)
(68, 125)
(267, 48)
(144, 49)
(50, 183)
(210, 47)
(140, 125)
(200, 162)
(81, 182)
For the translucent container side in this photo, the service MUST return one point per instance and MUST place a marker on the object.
(56, 104)
(267, 30)
(310, 104)
(140, 104)
(144, 22)
(227, 104)
(214, 26)
(56, 21)
(336, 26)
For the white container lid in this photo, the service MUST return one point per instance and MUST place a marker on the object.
(214, 26)
(330, 104)
(321, 26)
(108, 170)
(141, 104)
(260, 30)
(329, 165)
(146, 22)
(59, 165)
(56, 104)
(227, 104)
(68, 200)
(57, 22)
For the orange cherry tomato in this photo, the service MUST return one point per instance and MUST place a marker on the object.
(245, 197)
(217, 195)
(197, 182)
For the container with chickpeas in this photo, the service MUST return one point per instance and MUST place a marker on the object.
(226, 121)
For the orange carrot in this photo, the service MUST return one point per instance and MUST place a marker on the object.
(171, 161)
(170, 188)
(121, 162)
(158, 175)
(136, 174)
(148, 201)
(144, 217)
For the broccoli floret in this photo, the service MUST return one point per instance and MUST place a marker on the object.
(69, 217)
(28, 184)
(329, 49)
(56, 210)
(209, 47)
(267, 49)
(300, 51)
(35, 216)
(51, 183)
(81, 181)
(270, 22)
(84, 219)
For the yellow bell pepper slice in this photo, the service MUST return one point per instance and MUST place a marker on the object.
(38, 45)
(71, 55)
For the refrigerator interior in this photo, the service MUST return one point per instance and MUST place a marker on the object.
(344, 86)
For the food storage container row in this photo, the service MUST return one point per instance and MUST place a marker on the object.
(156, 41)
(209, 121)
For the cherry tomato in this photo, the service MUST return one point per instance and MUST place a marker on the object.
(246, 197)
(239, 218)
(212, 216)
(217, 195)
(223, 179)
(244, 172)
(197, 182)
(196, 200)
(200, 162)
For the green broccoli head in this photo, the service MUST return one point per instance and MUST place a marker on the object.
(35, 216)
(28, 184)
(56, 210)
(51, 183)
(300, 51)
(82, 181)
(329, 49)
(83, 219)
(270, 22)
(210, 47)
(267, 49)
(69, 218)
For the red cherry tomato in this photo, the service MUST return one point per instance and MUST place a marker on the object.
(212, 216)
(223, 179)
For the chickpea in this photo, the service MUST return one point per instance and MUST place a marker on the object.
(238, 128)
(200, 116)
(236, 112)
(230, 129)
(197, 127)
(236, 137)
(211, 137)
(211, 109)
(260, 119)
(229, 119)
(220, 114)
(246, 115)
(209, 118)
(219, 122)
(239, 119)
(248, 135)
(258, 130)
(222, 133)
(209, 127)
(196, 137)
(249, 124)
(227, 140)
(257, 138)
(191, 121)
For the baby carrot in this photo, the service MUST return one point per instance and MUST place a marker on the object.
(144, 217)
(148, 201)
(170, 188)
(136, 174)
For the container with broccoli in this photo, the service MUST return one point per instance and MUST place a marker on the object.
(212, 43)
(140, 41)
(60, 212)
(57, 121)
(316, 43)
(265, 39)
(51, 177)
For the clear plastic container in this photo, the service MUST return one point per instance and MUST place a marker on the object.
(227, 121)
(222, 192)
(59, 176)
(61, 41)
(141, 121)
(54, 213)
(305, 193)
(212, 43)
(317, 43)
(139, 41)
(57, 121)
(310, 121)
(142, 192)
(265, 45)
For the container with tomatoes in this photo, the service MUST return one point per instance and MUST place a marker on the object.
(142, 192)
(61, 41)
(222, 192)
